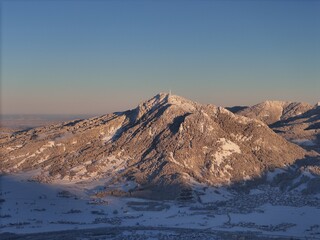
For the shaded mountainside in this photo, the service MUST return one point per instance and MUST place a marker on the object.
(236, 109)
(270, 112)
(157, 149)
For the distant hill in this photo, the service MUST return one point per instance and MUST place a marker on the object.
(270, 112)
(296, 121)
(303, 129)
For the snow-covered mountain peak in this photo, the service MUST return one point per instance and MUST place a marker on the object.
(168, 98)
(165, 100)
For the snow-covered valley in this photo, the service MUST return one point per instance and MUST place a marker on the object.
(32, 207)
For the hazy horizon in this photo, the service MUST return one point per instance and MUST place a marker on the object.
(130, 107)
(96, 57)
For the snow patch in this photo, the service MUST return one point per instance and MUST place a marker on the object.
(50, 144)
(304, 142)
(111, 134)
(171, 158)
(226, 149)
(14, 147)
(241, 138)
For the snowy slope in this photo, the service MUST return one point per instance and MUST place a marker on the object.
(28, 207)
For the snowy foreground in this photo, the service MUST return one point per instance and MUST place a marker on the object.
(30, 207)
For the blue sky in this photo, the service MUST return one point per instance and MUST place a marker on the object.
(81, 57)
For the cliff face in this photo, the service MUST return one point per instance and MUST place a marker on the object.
(158, 149)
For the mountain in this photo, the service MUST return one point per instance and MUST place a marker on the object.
(157, 150)
(297, 122)
(272, 111)
(303, 129)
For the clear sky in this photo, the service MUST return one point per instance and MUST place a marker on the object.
(81, 57)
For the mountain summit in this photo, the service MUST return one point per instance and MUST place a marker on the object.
(157, 150)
